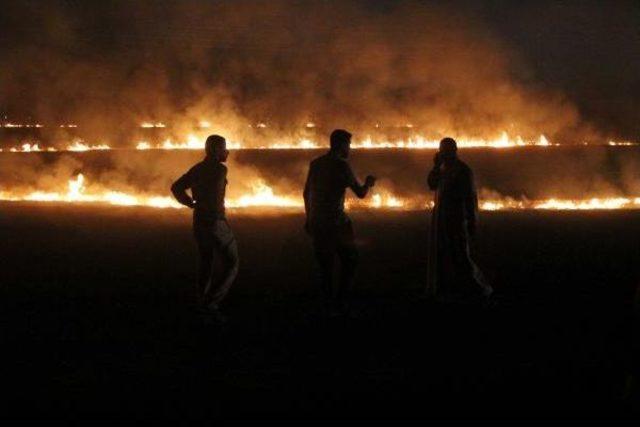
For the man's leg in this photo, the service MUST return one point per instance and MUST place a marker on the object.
(205, 262)
(325, 254)
(348, 254)
(227, 248)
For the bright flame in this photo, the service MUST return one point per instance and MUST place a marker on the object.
(196, 142)
(590, 204)
(26, 148)
(81, 146)
(143, 145)
(263, 196)
(379, 201)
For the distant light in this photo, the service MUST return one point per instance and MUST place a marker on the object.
(18, 125)
(153, 125)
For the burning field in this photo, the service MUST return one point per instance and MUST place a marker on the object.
(106, 123)
(518, 178)
(103, 105)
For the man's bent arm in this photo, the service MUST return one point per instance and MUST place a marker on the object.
(360, 190)
(179, 190)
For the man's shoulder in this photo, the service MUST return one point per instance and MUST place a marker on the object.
(320, 160)
(464, 168)
(205, 167)
(195, 168)
(330, 164)
(211, 165)
(198, 165)
(330, 159)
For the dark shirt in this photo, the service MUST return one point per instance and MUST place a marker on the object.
(456, 196)
(207, 181)
(329, 176)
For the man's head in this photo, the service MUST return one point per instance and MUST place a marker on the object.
(448, 150)
(216, 148)
(340, 142)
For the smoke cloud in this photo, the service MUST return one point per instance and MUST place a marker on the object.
(352, 64)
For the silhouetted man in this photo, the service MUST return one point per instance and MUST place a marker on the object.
(207, 181)
(453, 223)
(327, 223)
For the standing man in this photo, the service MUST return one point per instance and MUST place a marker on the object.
(208, 181)
(327, 223)
(453, 224)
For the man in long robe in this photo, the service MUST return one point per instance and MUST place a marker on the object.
(451, 270)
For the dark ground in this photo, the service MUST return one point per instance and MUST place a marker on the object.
(96, 320)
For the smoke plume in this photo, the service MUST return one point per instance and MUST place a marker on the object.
(352, 64)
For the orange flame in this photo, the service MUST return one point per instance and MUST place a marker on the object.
(263, 196)
(196, 142)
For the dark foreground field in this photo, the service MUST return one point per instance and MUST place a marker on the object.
(96, 320)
